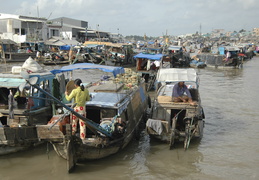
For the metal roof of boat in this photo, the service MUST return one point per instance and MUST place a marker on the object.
(85, 66)
(105, 99)
(9, 80)
(176, 48)
(149, 56)
(177, 75)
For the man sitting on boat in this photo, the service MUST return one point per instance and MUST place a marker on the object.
(181, 93)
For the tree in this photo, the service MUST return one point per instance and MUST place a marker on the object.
(242, 30)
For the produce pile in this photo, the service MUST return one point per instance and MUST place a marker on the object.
(129, 78)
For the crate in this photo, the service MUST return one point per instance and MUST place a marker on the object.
(16, 69)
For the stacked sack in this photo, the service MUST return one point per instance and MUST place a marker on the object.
(130, 78)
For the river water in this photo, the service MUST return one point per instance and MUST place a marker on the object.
(229, 148)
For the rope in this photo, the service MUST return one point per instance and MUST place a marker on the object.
(189, 134)
(47, 151)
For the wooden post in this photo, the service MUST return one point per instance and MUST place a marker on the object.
(71, 159)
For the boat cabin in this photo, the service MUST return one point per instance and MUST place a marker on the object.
(147, 65)
(29, 106)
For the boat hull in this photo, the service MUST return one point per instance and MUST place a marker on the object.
(85, 152)
(17, 139)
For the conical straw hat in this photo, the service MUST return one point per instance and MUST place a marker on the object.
(70, 86)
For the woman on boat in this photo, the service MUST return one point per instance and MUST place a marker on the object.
(80, 95)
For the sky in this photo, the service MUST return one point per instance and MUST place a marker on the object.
(149, 17)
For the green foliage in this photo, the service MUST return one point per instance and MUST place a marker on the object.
(140, 38)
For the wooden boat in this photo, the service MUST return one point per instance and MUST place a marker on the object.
(55, 62)
(147, 66)
(236, 60)
(179, 57)
(110, 52)
(18, 118)
(196, 63)
(114, 115)
(176, 121)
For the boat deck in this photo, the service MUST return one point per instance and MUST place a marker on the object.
(166, 101)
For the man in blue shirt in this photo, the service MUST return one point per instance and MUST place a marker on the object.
(181, 93)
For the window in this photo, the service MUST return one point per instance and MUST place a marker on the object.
(22, 31)
(16, 31)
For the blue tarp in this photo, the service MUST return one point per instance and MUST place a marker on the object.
(149, 56)
(65, 47)
(221, 50)
(112, 69)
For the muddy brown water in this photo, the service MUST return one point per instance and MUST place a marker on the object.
(228, 150)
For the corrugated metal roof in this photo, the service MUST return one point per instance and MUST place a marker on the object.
(7, 41)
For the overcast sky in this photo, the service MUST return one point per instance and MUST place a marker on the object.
(150, 17)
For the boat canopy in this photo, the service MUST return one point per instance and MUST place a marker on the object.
(65, 48)
(86, 43)
(149, 56)
(15, 80)
(177, 75)
(232, 48)
(92, 45)
(11, 82)
(72, 67)
(175, 48)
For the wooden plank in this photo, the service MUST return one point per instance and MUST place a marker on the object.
(2, 135)
(136, 101)
(44, 132)
(71, 159)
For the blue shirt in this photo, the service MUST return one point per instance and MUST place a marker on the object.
(179, 91)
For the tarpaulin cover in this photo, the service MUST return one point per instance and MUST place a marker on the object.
(112, 69)
(175, 48)
(177, 75)
(65, 48)
(149, 56)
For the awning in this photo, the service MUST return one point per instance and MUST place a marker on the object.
(149, 56)
(86, 66)
(177, 75)
(11, 82)
(175, 48)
